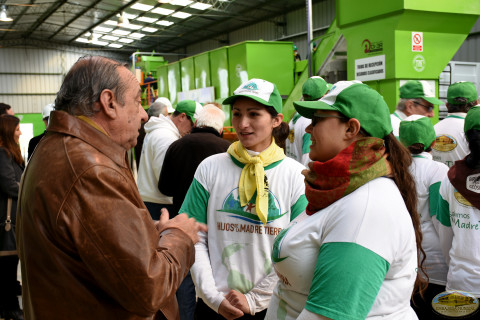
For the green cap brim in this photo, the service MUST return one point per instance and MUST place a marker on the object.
(231, 100)
(433, 100)
(307, 108)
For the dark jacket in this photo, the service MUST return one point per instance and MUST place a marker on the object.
(33, 144)
(10, 174)
(182, 159)
(88, 246)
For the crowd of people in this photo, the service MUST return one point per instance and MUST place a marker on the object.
(347, 212)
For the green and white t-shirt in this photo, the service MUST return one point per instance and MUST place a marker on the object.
(428, 174)
(235, 253)
(450, 144)
(298, 143)
(354, 259)
(459, 233)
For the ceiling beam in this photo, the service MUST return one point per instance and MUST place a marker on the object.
(14, 22)
(43, 17)
(85, 10)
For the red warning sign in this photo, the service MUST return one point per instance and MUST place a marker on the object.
(417, 41)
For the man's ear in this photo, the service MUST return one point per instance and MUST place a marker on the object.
(409, 107)
(108, 103)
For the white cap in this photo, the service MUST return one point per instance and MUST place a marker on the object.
(166, 102)
(47, 109)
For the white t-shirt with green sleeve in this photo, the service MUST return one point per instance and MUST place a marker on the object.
(450, 144)
(297, 146)
(459, 233)
(355, 259)
(236, 251)
(428, 174)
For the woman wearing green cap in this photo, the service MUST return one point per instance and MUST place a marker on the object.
(418, 135)
(353, 253)
(459, 214)
(246, 197)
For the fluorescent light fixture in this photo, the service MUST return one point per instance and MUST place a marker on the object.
(111, 22)
(102, 29)
(162, 11)
(84, 40)
(164, 1)
(121, 32)
(181, 15)
(111, 38)
(181, 2)
(147, 19)
(115, 45)
(133, 26)
(149, 29)
(130, 16)
(200, 6)
(99, 43)
(136, 35)
(141, 7)
(4, 14)
(125, 40)
(165, 23)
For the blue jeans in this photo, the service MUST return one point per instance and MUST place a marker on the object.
(186, 298)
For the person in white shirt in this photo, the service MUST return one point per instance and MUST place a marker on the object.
(161, 132)
(418, 135)
(450, 143)
(459, 214)
(297, 146)
(246, 196)
(353, 253)
(416, 97)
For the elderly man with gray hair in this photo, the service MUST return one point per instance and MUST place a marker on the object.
(87, 245)
(181, 160)
(416, 97)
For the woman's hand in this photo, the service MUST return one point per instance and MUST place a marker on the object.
(238, 300)
(228, 311)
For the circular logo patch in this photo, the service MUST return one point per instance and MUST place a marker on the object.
(445, 143)
(461, 199)
(455, 304)
(419, 63)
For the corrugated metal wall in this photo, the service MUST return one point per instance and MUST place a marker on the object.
(470, 49)
(31, 77)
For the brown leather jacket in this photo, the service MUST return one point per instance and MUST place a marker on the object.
(87, 245)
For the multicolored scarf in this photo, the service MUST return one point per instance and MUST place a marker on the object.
(466, 180)
(253, 176)
(326, 182)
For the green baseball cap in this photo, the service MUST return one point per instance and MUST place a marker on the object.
(418, 89)
(189, 107)
(417, 129)
(259, 90)
(462, 89)
(472, 120)
(314, 88)
(353, 99)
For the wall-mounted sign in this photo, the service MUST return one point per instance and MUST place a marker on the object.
(371, 68)
(417, 41)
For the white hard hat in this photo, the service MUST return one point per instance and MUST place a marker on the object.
(47, 109)
(166, 102)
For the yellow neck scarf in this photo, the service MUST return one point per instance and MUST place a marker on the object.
(253, 175)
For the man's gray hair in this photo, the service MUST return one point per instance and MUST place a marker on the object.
(211, 116)
(156, 109)
(84, 83)
(401, 103)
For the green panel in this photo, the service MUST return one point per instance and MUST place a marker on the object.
(219, 79)
(202, 70)
(254, 59)
(36, 119)
(174, 81)
(162, 81)
(237, 66)
(188, 74)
